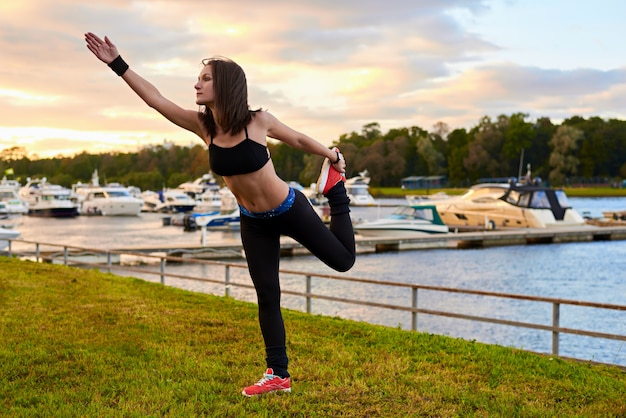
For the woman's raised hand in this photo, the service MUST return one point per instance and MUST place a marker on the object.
(103, 49)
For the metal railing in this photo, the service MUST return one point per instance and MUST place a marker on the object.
(71, 255)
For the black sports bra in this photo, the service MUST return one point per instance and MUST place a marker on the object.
(246, 157)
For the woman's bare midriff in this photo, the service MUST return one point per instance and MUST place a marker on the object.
(260, 191)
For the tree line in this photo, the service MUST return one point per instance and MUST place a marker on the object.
(578, 150)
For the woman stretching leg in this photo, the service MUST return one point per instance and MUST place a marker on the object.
(236, 138)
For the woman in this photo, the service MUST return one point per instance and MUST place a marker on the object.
(236, 137)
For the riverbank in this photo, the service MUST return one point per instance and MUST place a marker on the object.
(84, 343)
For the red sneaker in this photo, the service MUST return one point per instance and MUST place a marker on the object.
(328, 176)
(269, 383)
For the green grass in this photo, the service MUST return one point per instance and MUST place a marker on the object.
(77, 343)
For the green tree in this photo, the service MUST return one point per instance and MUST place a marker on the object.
(538, 154)
(518, 135)
(485, 158)
(456, 151)
(562, 160)
(435, 160)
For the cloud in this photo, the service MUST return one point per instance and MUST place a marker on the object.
(324, 67)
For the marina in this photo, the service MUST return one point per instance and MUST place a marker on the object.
(533, 263)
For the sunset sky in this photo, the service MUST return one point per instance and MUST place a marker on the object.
(324, 67)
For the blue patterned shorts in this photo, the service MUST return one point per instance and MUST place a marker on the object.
(279, 210)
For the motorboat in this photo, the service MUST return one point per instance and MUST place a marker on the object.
(508, 205)
(109, 201)
(49, 200)
(200, 185)
(206, 191)
(208, 201)
(167, 201)
(217, 220)
(112, 199)
(357, 189)
(9, 194)
(226, 216)
(405, 221)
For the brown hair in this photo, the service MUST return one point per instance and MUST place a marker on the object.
(232, 112)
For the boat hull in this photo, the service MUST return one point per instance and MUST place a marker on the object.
(113, 208)
(406, 222)
(399, 229)
(54, 212)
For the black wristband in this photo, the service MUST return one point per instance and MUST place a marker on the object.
(118, 65)
(338, 157)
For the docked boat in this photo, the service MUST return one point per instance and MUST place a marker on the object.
(615, 215)
(9, 194)
(208, 201)
(112, 199)
(357, 189)
(206, 191)
(218, 220)
(508, 205)
(200, 185)
(49, 200)
(167, 201)
(405, 221)
(109, 201)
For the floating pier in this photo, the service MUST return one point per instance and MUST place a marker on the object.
(452, 240)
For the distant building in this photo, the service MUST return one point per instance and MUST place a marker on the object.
(424, 182)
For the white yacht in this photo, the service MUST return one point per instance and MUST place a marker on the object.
(49, 200)
(9, 194)
(358, 190)
(109, 201)
(200, 185)
(168, 201)
(502, 205)
(206, 191)
(208, 201)
(405, 221)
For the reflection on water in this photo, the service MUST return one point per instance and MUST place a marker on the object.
(590, 271)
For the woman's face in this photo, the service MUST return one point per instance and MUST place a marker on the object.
(204, 87)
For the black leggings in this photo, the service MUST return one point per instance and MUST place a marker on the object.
(261, 242)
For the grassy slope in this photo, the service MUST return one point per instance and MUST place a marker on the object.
(84, 343)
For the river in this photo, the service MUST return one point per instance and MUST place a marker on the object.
(589, 271)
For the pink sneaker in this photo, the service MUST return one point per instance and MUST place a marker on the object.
(328, 176)
(269, 383)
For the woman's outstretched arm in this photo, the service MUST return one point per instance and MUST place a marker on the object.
(107, 52)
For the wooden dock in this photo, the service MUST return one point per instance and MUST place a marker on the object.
(452, 240)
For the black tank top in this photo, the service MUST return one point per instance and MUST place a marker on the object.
(246, 157)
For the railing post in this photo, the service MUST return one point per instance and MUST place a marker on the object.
(109, 263)
(227, 281)
(162, 270)
(308, 294)
(37, 252)
(10, 248)
(556, 319)
(65, 256)
(414, 306)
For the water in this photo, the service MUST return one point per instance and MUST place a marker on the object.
(589, 271)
